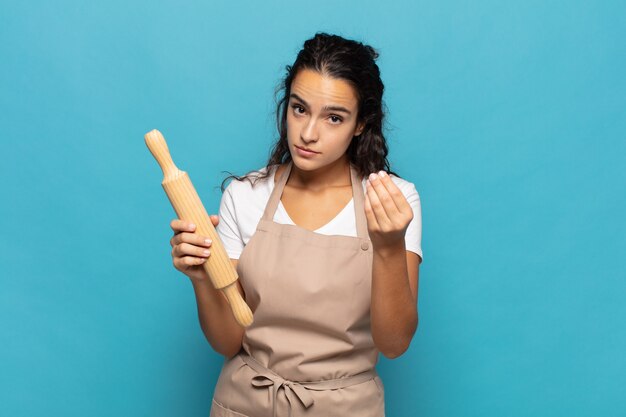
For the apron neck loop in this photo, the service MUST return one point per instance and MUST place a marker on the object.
(357, 195)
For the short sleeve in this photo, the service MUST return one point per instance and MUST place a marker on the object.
(413, 235)
(227, 228)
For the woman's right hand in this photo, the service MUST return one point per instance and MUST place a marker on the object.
(190, 250)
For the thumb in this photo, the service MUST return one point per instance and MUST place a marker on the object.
(214, 219)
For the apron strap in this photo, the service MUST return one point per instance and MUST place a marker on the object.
(359, 204)
(272, 204)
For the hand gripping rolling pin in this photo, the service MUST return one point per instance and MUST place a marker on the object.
(188, 206)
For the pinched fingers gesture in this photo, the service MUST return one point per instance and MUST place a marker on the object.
(387, 210)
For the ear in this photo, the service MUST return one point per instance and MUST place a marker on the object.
(360, 126)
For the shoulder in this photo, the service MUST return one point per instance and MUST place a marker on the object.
(254, 183)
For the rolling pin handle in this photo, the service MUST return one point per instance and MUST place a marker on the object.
(158, 147)
(240, 309)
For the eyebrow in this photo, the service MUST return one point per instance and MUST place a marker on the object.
(326, 108)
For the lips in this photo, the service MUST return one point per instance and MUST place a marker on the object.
(305, 149)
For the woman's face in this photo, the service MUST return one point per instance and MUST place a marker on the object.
(321, 117)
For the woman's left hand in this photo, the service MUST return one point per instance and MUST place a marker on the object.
(388, 212)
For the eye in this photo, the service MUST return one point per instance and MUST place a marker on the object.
(335, 119)
(296, 108)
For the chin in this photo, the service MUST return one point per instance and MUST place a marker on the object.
(306, 165)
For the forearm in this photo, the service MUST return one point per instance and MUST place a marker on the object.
(393, 307)
(218, 324)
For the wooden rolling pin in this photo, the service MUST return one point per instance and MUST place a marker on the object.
(188, 206)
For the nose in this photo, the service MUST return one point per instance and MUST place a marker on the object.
(309, 131)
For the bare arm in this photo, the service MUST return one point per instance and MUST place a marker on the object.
(218, 324)
(395, 270)
(221, 330)
(394, 317)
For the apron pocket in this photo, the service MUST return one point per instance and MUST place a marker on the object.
(234, 391)
(218, 410)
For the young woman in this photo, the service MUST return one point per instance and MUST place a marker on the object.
(326, 242)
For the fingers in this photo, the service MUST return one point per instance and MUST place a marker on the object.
(191, 238)
(186, 254)
(186, 249)
(379, 204)
(377, 210)
(184, 232)
(399, 200)
(387, 203)
(189, 248)
(369, 213)
(187, 261)
(385, 189)
(178, 226)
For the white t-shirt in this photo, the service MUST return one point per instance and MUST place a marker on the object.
(242, 207)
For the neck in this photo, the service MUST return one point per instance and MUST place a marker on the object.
(335, 175)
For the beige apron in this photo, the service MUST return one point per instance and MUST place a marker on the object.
(309, 351)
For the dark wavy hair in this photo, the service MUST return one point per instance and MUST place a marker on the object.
(354, 62)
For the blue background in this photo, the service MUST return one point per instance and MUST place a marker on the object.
(509, 117)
